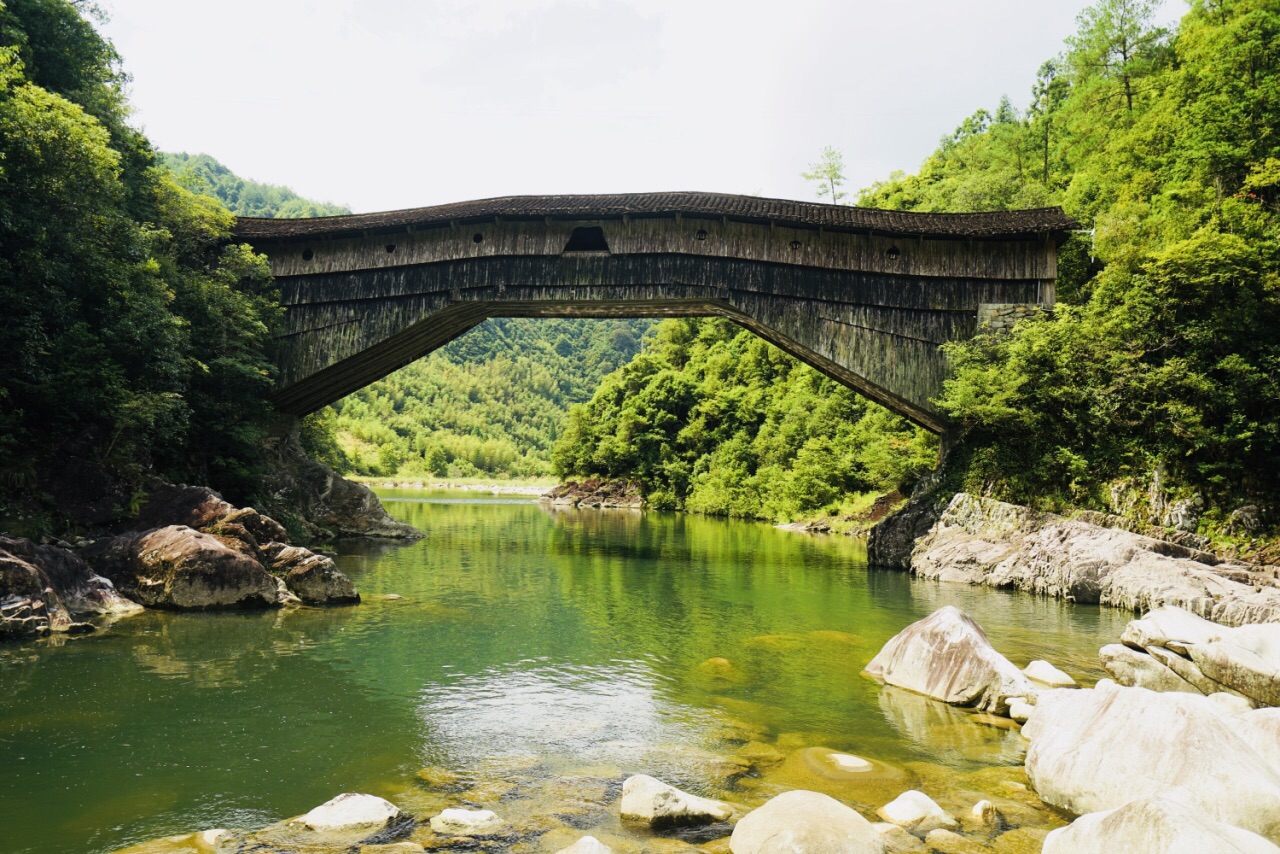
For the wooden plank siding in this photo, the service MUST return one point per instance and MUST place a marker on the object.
(869, 308)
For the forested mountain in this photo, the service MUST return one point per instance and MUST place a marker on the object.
(711, 418)
(200, 173)
(491, 403)
(1157, 378)
(134, 332)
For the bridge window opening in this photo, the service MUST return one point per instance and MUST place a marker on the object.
(701, 234)
(307, 254)
(795, 245)
(477, 238)
(587, 238)
(390, 247)
(892, 253)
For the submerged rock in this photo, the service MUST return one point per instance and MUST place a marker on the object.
(803, 822)
(947, 656)
(462, 822)
(1102, 748)
(350, 811)
(587, 845)
(653, 802)
(1156, 825)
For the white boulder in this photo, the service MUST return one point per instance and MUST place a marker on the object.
(653, 802)
(350, 811)
(1100, 749)
(917, 813)
(947, 656)
(1247, 660)
(587, 845)
(1137, 669)
(1170, 623)
(460, 822)
(1046, 674)
(1155, 825)
(801, 822)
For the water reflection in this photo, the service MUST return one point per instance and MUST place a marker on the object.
(585, 642)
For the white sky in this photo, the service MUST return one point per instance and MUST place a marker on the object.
(384, 104)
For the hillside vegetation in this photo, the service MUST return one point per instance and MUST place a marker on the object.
(713, 419)
(135, 333)
(200, 173)
(1157, 378)
(490, 404)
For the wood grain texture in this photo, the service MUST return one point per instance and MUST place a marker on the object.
(870, 310)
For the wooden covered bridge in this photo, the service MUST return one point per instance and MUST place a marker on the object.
(866, 296)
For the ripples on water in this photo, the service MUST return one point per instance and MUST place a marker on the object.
(588, 642)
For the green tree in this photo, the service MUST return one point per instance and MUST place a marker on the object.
(828, 172)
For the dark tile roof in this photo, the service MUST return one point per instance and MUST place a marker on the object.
(752, 208)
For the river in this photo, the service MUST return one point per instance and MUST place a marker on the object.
(515, 646)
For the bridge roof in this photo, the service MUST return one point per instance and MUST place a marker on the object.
(715, 205)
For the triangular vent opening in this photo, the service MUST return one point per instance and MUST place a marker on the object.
(587, 238)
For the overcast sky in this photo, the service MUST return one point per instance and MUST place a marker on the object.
(383, 104)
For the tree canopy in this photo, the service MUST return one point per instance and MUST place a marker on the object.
(1163, 353)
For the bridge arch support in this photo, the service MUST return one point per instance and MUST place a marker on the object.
(865, 296)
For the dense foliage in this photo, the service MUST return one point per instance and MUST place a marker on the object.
(134, 333)
(1162, 360)
(489, 404)
(200, 173)
(713, 419)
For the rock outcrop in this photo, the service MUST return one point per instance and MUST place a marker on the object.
(196, 551)
(312, 498)
(462, 822)
(1164, 825)
(1099, 749)
(596, 493)
(802, 821)
(982, 541)
(892, 539)
(1171, 649)
(183, 569)
(947, 656)
(917, 813)
(47, 589)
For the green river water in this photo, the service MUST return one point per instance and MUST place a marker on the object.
(529, 645)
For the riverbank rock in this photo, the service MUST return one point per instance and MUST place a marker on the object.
(311, 498)
(892, 540)
(596, 493)
(312, 577)
(1099, 749)
(652, 802)
(1171, 649)
(982, 541)
(46, 589)
(801, 822)
(184, 569)
(350, 811)
(917, 813)
(1046, 674)
(1157, 825)
(947, 656)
